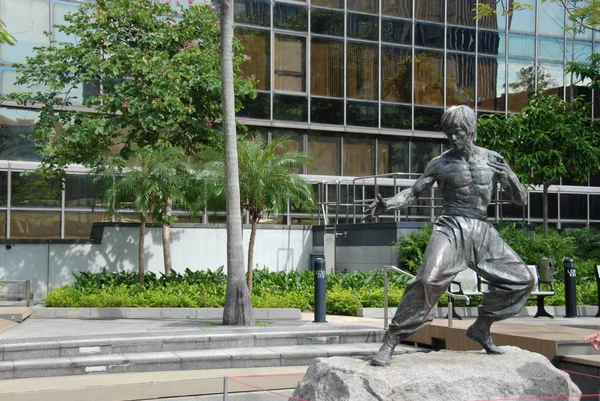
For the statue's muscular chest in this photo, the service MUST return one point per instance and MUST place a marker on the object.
(461, 175)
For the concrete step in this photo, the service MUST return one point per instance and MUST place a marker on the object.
(225, 358)
(22, 349)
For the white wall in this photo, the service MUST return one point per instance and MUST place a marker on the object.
(203, 247)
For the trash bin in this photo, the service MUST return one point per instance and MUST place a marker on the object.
(546, 271)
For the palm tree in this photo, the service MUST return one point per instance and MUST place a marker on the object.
(5, 36)
(267, 184)
(238, 308)
(151, 180)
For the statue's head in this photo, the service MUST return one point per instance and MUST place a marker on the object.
(462, 117)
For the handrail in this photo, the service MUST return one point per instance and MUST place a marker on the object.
(407, 274)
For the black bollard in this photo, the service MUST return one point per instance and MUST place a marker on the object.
(320, 290)
(570, 288)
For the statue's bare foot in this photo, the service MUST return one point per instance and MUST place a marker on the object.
(384, 356)
(483, 336)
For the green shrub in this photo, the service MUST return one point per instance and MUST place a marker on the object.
(341, 301)
(301, 300)
(411, 248)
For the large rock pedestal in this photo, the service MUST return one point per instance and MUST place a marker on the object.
(433, 376)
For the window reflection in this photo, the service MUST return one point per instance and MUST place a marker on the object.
(579, 52)
(421, 152)
(289, 16)
(81, 191)
(461, 39)
(78, 225)
(491, 83)
(290, 63)
(33, 191)
(15, 134)
(325, 151)
(429, 35)
(255, 12)
(260, 107)
(430, 10)
(327, 67)
(396, 65)
(3, 188)
(363, 26)
(59, 10)
(396, 31)
(551, 49)
(460, 79)
(491, 42)
(550, 79)
(523, 21)
(364, 6)
(429, 78)
(359, 156)
(428, 119)
(397, 8)
(552, 19)
(392, 155)
(27, 21)
(294, 143)
(328, 3)
(521, 46)
(327, 22)
(34, 224)
(291, 108)
(396, 116)
(521, 84)
(573, 206)
(460, 12)
(257, 45)
(326, 111)
(362, 114)
(362, 71)
(495, 21)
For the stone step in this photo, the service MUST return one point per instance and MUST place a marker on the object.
(22, 349)
(225, 358)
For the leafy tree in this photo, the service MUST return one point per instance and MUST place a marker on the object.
(550, 139)
(526, 80)
(150, 73)
(238, 307)
(5, 36)
(148, 178)
(587, 71)
(583, 14)
(267, 183)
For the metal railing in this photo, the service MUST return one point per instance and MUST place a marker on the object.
(386, 284)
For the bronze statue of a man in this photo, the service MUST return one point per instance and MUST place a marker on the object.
(462, 238)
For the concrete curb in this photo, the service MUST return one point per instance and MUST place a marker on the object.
(215, 314)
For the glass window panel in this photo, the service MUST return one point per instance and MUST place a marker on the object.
(550, 79)
(294, 143)
(255, 12)
(33, 191)
(594, 207)
(461, 39)
(260, 107)
(579, 33)
(491, 42)
(460, 12)
(289, 16)
(59, 10)
(362, 113)
(362, 71)
(292, 108)
(396, 31)
(26, 21)
(429, 35)
(397, 8)
(15, 134)
(551, 49)
(491, 83)
(290, 63)
(325, 151)
(392, 155)
(573, 206)
(552, 19)
(521, 46)
(396, 74)
(421, 152)
(3, 187)
(257, 45)
(596, 108)
(2, 224)
(34, 224)
(359, 156)
(328, 3)
(326, 111)
(364, 6)
(429, 78)
(536, 202)
(327, 67)
(327, 22)
(595, 180)
(495, 21)
(430, 10)
(363, 26)
(428, 119)
(521, 84)
(523, 21)
(460, 79)
(78, 225)
(509, 209)
(579, 52)
(82, 192)
(396, 116)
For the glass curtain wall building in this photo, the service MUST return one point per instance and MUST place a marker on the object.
(360, 85)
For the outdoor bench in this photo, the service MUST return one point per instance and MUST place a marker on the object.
(16, 290)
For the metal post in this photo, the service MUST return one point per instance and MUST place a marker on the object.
(225, 388)
(320, 290)
(570, 288)
(450, 311)
(386, 285)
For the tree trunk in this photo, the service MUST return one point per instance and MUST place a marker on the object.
(141, 264)
(545, 207)
(166, 237)
(238, 308)
(250, 273)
